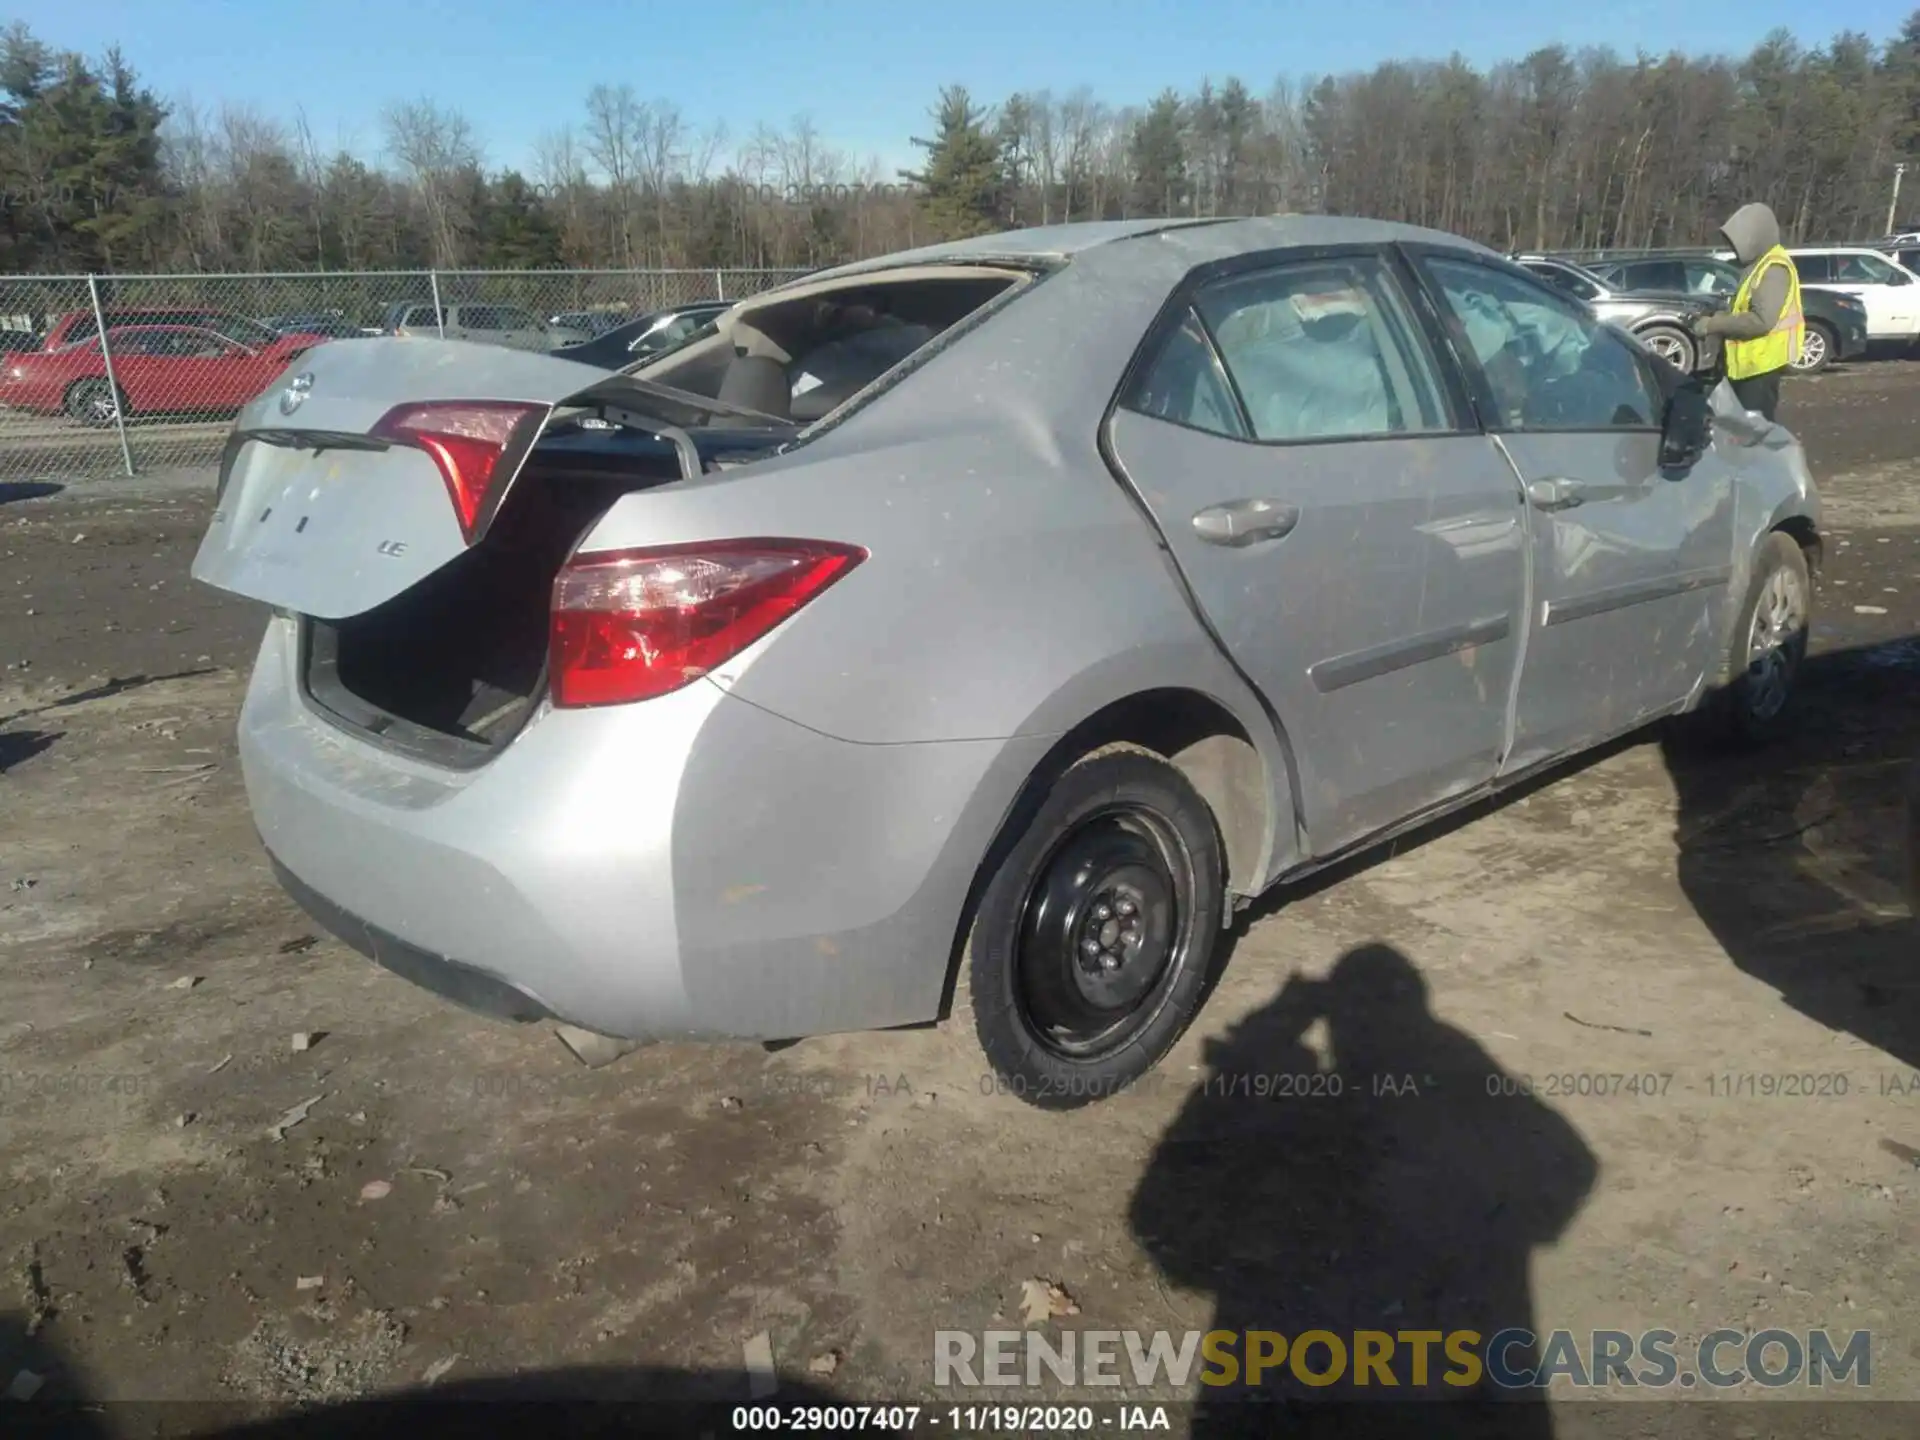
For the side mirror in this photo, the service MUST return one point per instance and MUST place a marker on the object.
(1688, 428)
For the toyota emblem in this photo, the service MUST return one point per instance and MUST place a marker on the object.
(295, 395)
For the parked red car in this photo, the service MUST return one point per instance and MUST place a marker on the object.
(78, 325)
(161, 369)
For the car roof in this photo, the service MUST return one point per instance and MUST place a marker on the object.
(1195, 241)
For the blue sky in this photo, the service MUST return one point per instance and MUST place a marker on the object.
(863, 70)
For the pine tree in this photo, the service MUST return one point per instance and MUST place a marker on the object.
(963, 182)
(1159, 155)
(516, 232)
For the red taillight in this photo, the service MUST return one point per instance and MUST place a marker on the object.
(466, 439)
(632, 624)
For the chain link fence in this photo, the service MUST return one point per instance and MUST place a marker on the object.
(180, 354)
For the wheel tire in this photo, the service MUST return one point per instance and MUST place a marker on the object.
(1673, 345)
(95, 403)
(1121, 828)
(1817, 353)
(1754, 701)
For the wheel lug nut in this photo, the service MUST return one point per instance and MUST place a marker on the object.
(1090, 947)
(1103, 911)
(1126, 907)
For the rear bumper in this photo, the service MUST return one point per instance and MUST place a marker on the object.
(692, 867)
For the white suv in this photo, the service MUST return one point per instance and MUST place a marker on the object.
(1890, 292)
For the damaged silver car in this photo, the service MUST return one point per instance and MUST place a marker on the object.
(974, 630)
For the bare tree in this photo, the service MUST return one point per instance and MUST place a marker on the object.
(615, 136)
(435, 147)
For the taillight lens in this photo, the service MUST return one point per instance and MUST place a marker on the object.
(632, 624)
(466, 439)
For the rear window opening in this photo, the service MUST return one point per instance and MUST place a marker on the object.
(451, 669)
(801, 357)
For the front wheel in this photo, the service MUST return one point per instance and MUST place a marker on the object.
(1091, 947)
(1671, 344)
(1769, 643)
(95, 403)
(1816, 350)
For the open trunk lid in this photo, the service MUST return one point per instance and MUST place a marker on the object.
(320, 512)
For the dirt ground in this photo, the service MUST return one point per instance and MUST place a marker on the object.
(193, 1207)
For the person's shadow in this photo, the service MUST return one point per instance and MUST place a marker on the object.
(1795, 856)
(1403, 1191)
(584, 1400)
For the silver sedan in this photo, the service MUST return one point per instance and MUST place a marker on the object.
(976, 628)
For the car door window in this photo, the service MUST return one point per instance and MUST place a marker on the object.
(1814, 268)
(189, 346)
(1864, 270)
(1563, 279)
(1548, 364)
(509, 319)
(1317, 350)
(1705, 279)
(1186, 385)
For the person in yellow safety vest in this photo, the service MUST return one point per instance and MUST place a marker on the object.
(1764, 329)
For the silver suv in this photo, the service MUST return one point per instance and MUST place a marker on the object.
(1660, 319)
(507, 325)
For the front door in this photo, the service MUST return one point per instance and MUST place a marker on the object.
(1348, 535)
(1629, 564)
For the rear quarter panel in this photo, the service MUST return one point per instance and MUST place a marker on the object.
(1012, 589)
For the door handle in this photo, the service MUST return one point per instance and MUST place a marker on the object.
(1245, 522)
(1554, 494)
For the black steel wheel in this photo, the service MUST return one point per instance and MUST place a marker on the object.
(1093, 940)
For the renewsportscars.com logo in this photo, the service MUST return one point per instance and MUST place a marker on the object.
(1512, 1359)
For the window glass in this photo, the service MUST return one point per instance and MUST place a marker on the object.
(1562, 278)
(1812, 267)
(1322, 350)
(1186, 385)
(1706, 279)
(1549, 364)
(1862, 270)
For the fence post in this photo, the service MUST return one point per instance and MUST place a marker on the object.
(439, 315)
(106, 354)
(719, 285)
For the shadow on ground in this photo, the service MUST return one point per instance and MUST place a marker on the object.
(12, 490)
(1795, 855)
(1403, 1189)
(17, 746)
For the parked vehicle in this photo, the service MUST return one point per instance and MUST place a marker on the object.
(1003, 615)
(592, 323)
(1890, 293)
(1906, 256)
(506, 325)
(159, 369)
(334, 326)
(648, 336)
(1659, 319)
(80, 325)
(1836, 321)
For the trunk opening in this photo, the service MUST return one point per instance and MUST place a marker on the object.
(451, 669)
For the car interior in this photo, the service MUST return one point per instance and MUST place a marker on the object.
(800, 354)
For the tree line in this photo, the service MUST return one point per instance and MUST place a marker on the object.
(1556, 149)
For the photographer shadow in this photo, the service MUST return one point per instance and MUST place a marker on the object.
(1404, 1191)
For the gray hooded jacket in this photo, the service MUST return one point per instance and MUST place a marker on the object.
(1752, 232)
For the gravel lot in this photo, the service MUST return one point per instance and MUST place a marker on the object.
(462, 1200)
